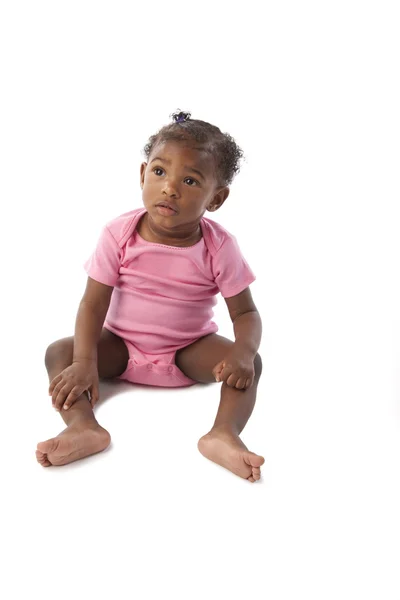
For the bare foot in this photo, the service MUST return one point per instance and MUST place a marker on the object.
(227, 449)
(73, 443)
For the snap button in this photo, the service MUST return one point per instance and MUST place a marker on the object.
(149, 367)
(170, 369)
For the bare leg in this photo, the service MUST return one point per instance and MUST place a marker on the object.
(83, 435)
(222, 443)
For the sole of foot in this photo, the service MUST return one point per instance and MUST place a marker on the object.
(72, 444)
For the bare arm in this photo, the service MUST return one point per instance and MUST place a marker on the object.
(89, 320)
(246, 321)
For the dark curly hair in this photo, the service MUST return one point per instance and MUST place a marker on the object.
(221, 146)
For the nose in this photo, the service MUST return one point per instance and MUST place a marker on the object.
(170, 187)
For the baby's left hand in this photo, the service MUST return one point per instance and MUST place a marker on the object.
(236, 369)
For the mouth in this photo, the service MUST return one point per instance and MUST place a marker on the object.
(166, 209)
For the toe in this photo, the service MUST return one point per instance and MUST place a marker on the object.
(42, 459)
(48, 446)
(253, 460)
(251, 478)
(256, 472)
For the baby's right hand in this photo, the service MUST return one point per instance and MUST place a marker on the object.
(66, 388)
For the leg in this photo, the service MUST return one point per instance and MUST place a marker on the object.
(83, 435)
(222, 443)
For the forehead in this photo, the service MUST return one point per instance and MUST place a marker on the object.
(189, 154)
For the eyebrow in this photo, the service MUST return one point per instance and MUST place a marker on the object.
(184, 166)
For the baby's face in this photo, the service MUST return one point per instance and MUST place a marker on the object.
(183, 176)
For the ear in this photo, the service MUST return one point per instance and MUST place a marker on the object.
(142, 173)
(218, 199)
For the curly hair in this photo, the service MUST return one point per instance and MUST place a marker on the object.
(226, 153)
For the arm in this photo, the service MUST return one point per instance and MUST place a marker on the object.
(89, 320)
(246, 322)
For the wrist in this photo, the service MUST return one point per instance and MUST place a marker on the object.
(244, 349)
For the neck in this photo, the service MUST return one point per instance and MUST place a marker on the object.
(187, 237)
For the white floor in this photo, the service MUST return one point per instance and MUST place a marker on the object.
(313, 101)
(151, 514)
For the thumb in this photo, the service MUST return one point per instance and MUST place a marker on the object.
(217, 369)
(94, 395)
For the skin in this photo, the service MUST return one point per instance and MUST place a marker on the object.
(169, 175)
(184, 175)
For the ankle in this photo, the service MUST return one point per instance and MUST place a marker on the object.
(83, 423)
(225, 429)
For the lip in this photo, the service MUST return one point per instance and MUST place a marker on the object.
(168, 205)
(166, 212)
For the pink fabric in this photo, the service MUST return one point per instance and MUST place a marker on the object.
(163, 296)
(154, 369)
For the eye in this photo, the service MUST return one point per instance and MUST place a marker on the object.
(156, 169)
(191, 179)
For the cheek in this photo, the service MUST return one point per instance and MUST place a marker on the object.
(154, 181)
(150, 184)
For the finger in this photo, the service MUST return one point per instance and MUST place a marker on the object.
(94, 395)
(72, 396)
(221, 377)
(217, 371)
(63, 393)
(248, 383)
(53, 383)
(231, 381)
(56, 391)
(217, 376)
(225, 373)
(241, 383)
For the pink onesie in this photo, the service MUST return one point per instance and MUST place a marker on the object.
(163, 296)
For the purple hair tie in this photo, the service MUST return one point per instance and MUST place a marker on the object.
(181, 116)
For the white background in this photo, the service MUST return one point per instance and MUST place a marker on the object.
(310, 91)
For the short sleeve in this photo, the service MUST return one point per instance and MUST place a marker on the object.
(103, 265)
(231, 271)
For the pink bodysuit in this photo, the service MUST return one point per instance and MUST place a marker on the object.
(163, 296)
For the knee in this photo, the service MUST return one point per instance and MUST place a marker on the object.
(257, 366)
(58, 349)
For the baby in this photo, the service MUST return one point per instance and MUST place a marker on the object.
(146, 314)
